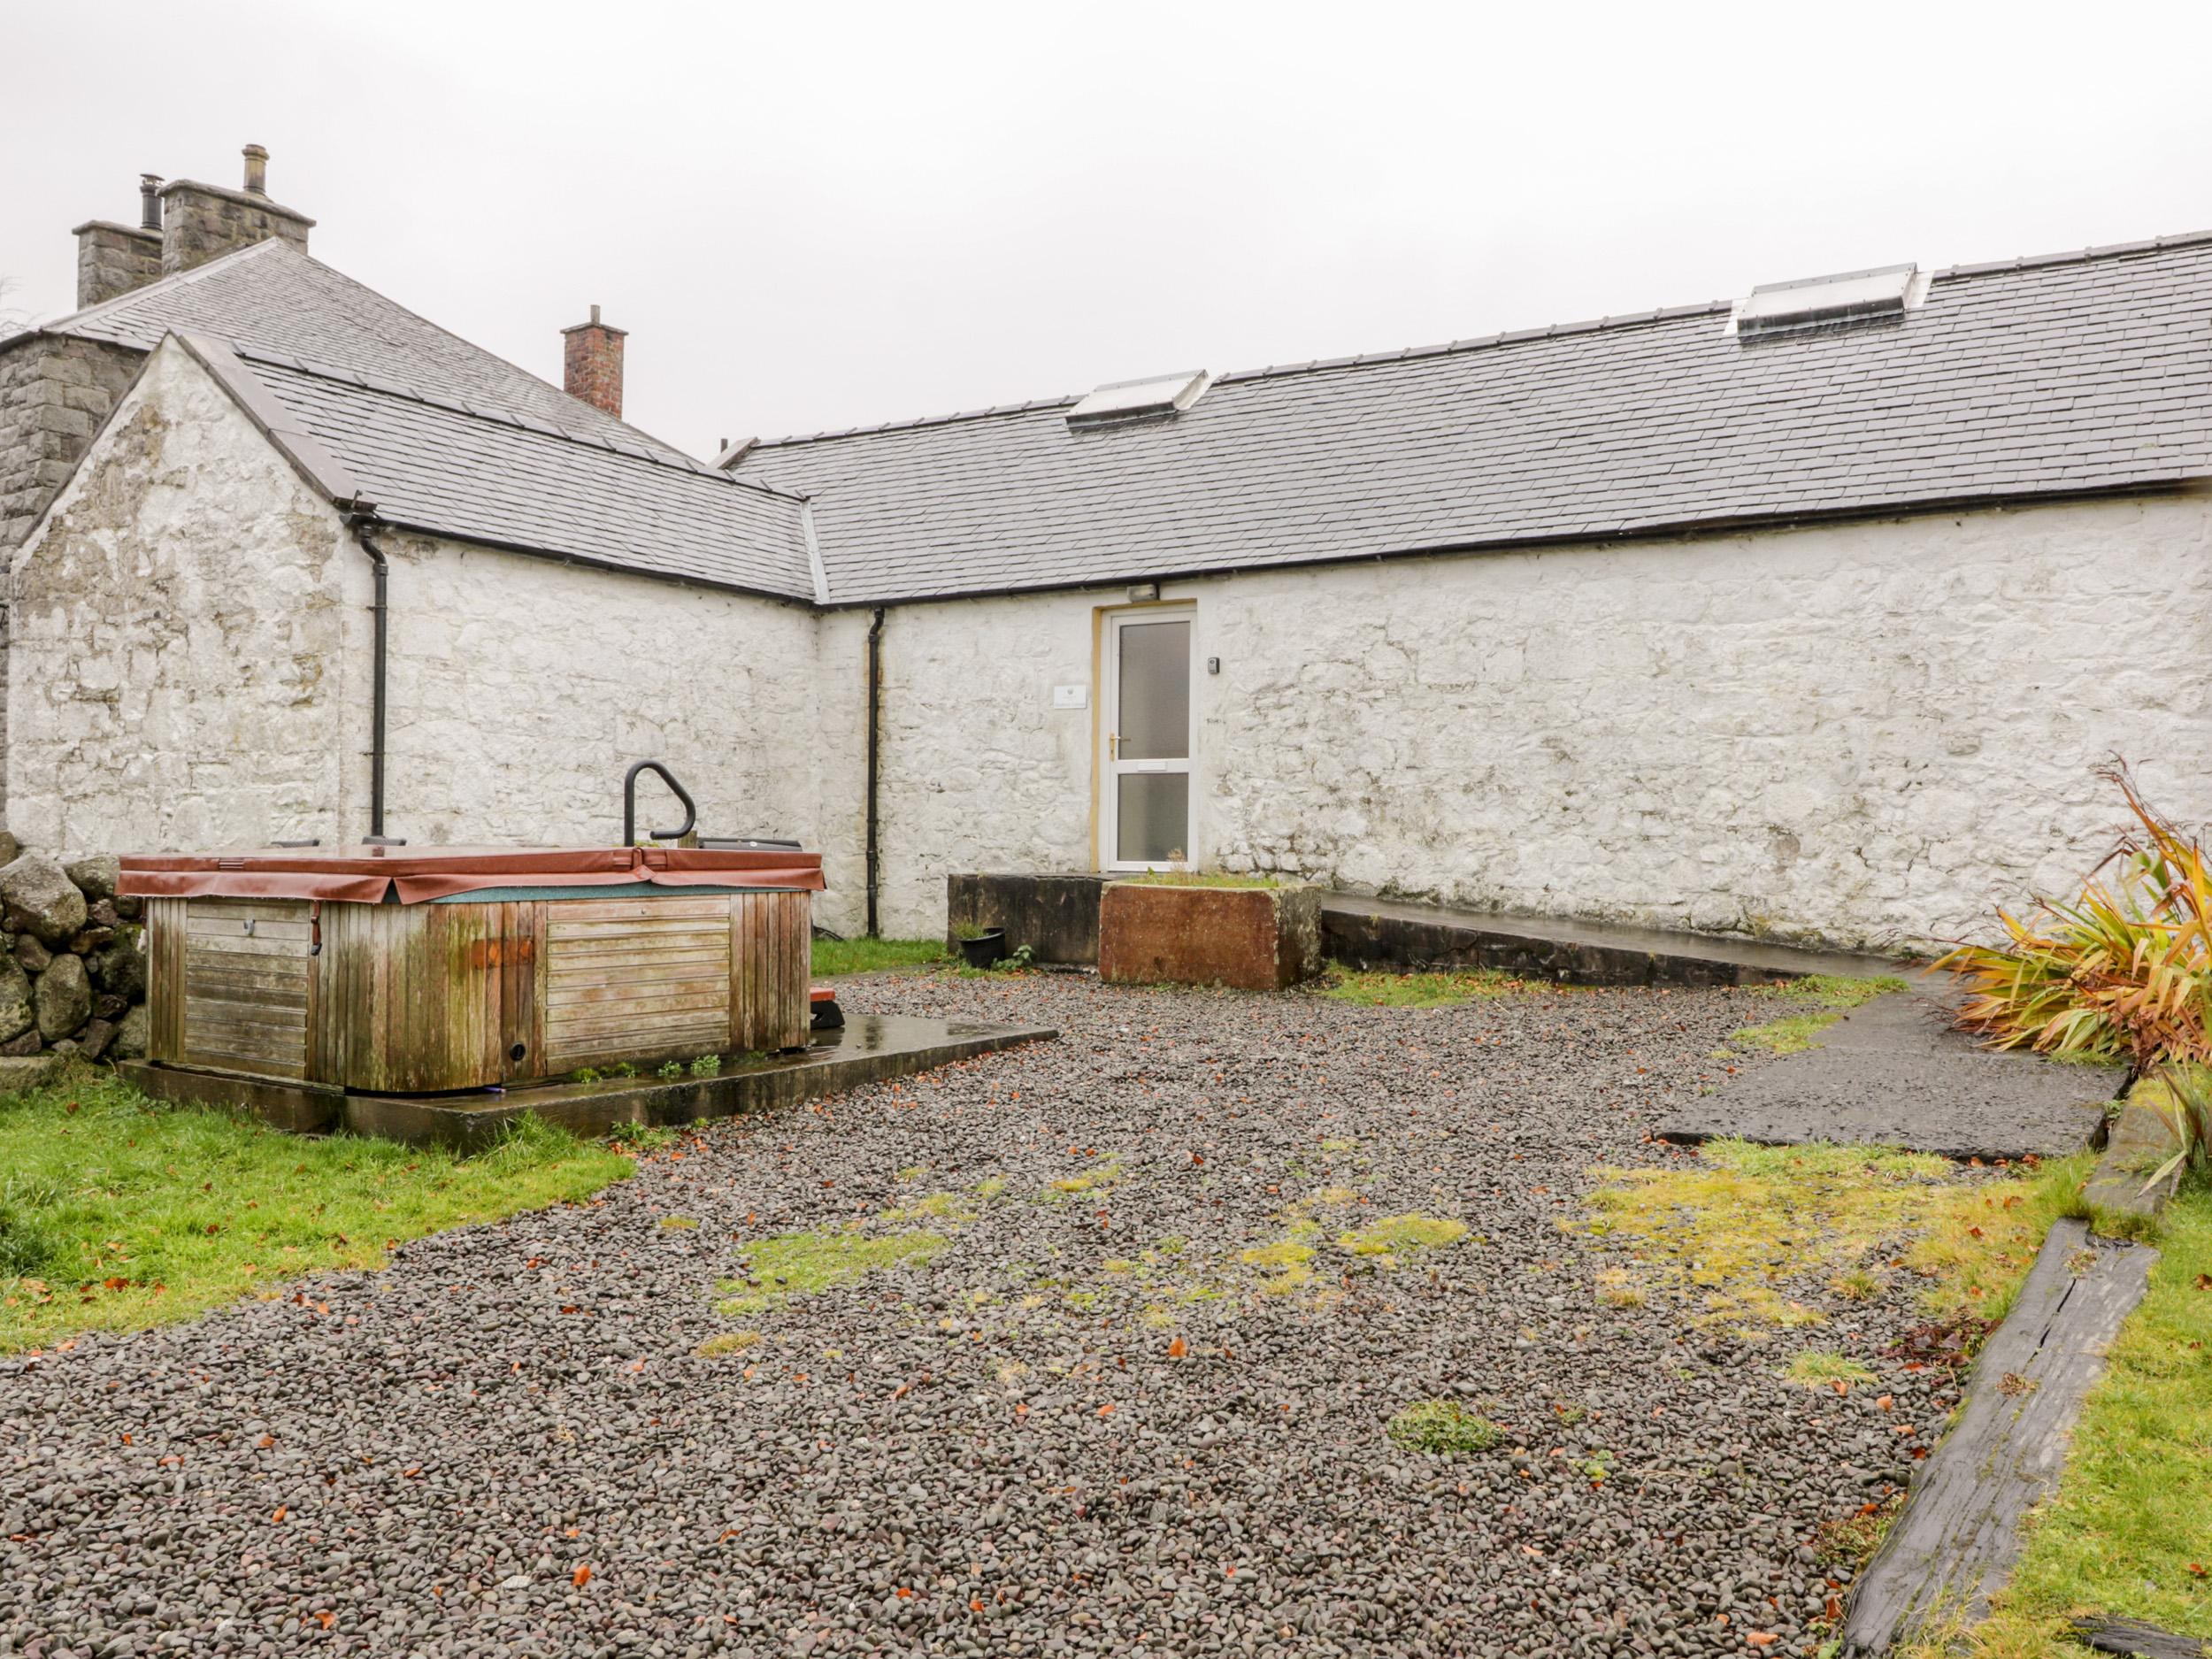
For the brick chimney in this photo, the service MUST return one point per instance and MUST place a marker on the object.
(591, 363)
(200, 222)
(113, 257)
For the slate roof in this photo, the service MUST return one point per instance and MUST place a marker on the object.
(507, 480)
(2068, 374)
(274, 298)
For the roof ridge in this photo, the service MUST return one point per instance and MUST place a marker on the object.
(440, 328)
(2074, 255)
(674, 462)
(175, 279)
(1402, 354)
(1512, 336)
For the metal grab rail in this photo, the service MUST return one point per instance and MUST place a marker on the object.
(629, 804)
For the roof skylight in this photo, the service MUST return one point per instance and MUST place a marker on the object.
(1156, 397)
(1854, 296)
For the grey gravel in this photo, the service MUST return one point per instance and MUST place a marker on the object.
(898, 1467)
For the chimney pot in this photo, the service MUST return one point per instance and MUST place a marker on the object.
(591, 363)
(150, 201)
(256, 170)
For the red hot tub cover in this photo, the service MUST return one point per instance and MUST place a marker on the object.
(366, 875)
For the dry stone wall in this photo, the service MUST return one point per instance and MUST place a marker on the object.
(73, 959)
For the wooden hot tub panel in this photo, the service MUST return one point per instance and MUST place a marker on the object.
(422, 998)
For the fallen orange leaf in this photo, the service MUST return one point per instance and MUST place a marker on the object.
(1177, 1348)
(580, 1576)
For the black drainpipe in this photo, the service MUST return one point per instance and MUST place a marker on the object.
(875, 711)
(360, 527)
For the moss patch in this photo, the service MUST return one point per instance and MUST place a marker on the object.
(1820, 1000)
(1444, 1427)
(1417, 990)
(1197, 879)
(1398, 1236)
(806, 1263)
(1725, 1237)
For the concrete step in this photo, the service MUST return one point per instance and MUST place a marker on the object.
(1363, 931)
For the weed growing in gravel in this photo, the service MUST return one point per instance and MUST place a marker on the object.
(803, 1263)
(1852, 1540)
(1818, 1368)
(644, 1137)
(681, 1224)
(937, 1207)
(1416, 990)
(129, 1213)
(1096, 1180)
(1442, 1427)
(1825, 999)
(726, 1344)
(1728, 1233)
(1397, 1236)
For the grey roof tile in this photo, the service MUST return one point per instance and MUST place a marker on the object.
(488, 477)
(271, 300)
(2085, 370)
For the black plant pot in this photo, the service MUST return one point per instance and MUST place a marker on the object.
(984, 948)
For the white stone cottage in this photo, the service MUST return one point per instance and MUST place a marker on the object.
(1807, 614)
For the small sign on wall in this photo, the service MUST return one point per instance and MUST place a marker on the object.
(1071, 696)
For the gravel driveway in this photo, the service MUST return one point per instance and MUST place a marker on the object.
(1085, 1424)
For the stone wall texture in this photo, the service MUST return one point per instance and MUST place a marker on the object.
(522, 688)
(177, 655)
(1867, 734)
(113, 259)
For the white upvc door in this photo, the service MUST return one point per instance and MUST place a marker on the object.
(1146, 728)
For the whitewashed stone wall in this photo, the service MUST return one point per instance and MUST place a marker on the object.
(979, 771)
(1867, 734)
(522, 688)
(178, 656)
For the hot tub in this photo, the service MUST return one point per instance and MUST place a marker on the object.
(387, 970)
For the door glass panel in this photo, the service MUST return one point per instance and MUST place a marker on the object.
(1154, 817)
(1155, 713)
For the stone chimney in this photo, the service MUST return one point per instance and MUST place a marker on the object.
(200, 222)
(591, 363)
(113, 257)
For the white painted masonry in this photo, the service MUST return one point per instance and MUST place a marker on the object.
(522, 688)
(184, 638)
(1868, 733)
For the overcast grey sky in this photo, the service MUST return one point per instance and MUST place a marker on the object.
(821, 216)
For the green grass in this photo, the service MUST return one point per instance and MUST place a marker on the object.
(118, 1212)
(1823, 998)
(1444, 1427)
(1417, 990)
(2128, 1531)
(833, 957)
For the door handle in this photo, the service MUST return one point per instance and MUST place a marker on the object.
(1113, 745)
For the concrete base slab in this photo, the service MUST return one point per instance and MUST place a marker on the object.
(1388, 934)
(868, 1049)
(1894, 1073)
